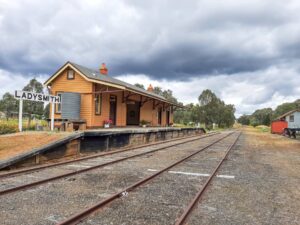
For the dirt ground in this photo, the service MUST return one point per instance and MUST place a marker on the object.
(266, 185)
(14, 144)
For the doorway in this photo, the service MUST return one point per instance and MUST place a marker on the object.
(167, 118)
(159, 112)
(113, 109)
(133, 113)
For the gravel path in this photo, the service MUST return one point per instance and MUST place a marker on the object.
(266, 185)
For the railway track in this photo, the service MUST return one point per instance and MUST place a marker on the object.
(46, 166)
(84, 214)
(175, 142)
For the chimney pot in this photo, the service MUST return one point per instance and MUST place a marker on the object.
(103, 69)
(150, 88)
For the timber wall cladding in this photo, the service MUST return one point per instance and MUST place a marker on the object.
(80, 85)
(87, 109)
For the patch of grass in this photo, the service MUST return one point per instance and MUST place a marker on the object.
(7, 128)
(262, 128)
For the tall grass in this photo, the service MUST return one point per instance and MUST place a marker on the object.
(12, 125)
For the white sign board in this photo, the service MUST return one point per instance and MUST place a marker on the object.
(38, 97)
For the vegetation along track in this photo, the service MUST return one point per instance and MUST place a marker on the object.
(81, 216)
(74, 172)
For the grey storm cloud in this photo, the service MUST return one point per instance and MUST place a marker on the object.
(247, 52)
(163, 39)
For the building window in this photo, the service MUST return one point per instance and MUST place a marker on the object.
(98, 102)
(291, 118)
(71, 75)
(58, 105)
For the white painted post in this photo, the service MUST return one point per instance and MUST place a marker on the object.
(52, 116)
(20, 114)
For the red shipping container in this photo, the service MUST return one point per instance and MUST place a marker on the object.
(278, 126)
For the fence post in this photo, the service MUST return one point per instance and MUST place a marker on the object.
(20, 114)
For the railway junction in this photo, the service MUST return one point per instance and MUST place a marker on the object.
(229, 177)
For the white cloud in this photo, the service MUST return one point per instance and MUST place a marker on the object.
(248, 91)
(9, 82)
(180, 45)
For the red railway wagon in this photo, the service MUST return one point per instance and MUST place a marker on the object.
(278, 126)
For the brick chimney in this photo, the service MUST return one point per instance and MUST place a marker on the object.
(150, 88)
(103, 69)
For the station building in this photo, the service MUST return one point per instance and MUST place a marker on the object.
(94, 98)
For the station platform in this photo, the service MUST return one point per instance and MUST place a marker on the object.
(86, 142)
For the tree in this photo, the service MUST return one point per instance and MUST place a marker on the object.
(168, 94)
(262, 117)
(158, 91)
(46, 112)
(207, 97)
(31, 107)
(8, 104)
(285, 107)
(210, 110)
(244, 119)
(140, 86)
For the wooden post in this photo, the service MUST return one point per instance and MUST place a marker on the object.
(52, 116)
(20, 115)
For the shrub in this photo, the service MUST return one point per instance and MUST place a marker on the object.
(144, 122)
(6, 128)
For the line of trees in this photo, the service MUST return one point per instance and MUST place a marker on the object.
(266, 115)
(208, 111)
(10, 106)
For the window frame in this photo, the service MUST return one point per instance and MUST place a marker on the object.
(72, 78)
(98, 107)
(58, 93)
(291, 118)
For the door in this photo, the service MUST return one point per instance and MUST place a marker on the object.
(133, 113)
(113, 109)
(159, 116)
(168, 118)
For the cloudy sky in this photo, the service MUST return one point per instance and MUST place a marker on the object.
(246, 51)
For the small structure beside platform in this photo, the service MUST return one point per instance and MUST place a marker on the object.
(287, 124)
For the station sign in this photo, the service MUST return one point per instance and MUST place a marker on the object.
(38, 97)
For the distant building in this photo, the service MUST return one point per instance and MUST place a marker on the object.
(290, 120)
(2, 115)
(96, 98)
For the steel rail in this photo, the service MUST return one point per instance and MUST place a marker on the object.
(85, 213)
(8, 174)
(188, 210)
(29, 185)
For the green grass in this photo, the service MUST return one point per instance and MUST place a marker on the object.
(263, 129)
